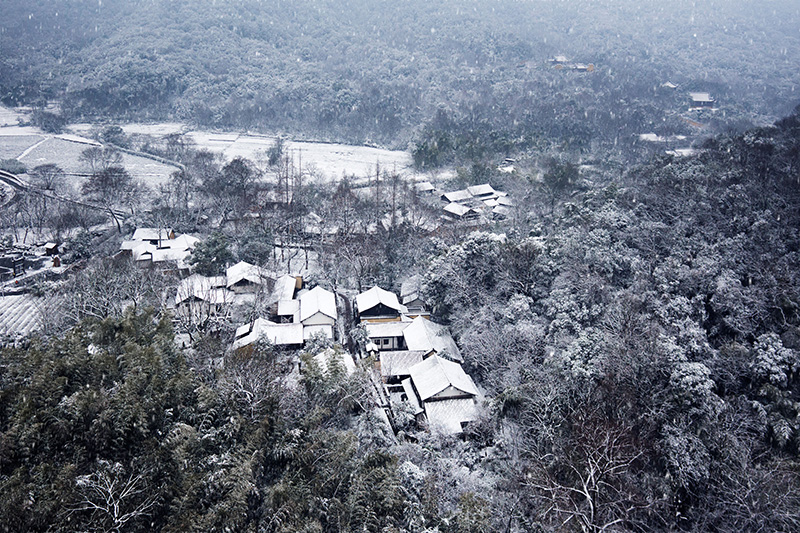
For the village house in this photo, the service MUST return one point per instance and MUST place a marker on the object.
(284, 290)
(317, 312)
(456, 211)
(701, 100)
(281, 335)
(441, 393)
(459, 197)
(160, 247)
(424, 187)
(199, 297)
(410, 296)
(387, 335)
(309, 313)
(482, 192)
(244, 277)
(378, 305)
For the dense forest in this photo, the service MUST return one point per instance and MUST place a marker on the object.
(638, 339)
(473, 75)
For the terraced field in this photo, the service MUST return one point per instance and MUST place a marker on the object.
(12, 146)
(19, 314)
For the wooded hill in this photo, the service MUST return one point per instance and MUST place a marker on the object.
(364, 70)
(640, 345)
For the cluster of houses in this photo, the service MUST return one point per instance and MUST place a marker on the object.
(418, 360)
(420, 363)
(471, 203)
(296, 315)
(160, 247)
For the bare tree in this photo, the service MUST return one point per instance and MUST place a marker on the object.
(112, 497)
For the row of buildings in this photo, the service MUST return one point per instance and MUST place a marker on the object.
(471, 203)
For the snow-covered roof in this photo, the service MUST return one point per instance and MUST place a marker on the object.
(130, 245)
(152, 234)
(181, 242)
(140, 250)
(501, 211)
(277, 334)
(446, 416)
(482, 191)
(505, 200)
(412, 398)
(398, 363)
(410, 290)
(701, 97)
(435, 374)
(458, 210)
(458, 196)
(289, 308)
(317, 300)
(376, 296)
(310, 331)
(160, 255)
(422, 334)
(284, 288)
(378, 330)
(243, 271)
(202, 288)
(424, 186)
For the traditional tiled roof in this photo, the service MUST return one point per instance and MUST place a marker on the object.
(376, 296)
(435, 374)
(317, 300)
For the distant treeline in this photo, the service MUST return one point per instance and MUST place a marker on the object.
(378, 71)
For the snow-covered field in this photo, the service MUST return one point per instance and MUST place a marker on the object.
(330, 161)
(33, 147)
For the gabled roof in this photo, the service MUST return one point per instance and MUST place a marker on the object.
(701, 97)
(289, 308)
(435, 374)
(169, 254)
(141, 250)
(243, 271)
(376, 296)
(181, 242)
(201, 288)
(458, 196)
(484, 190)
(317, 300)
(152, 234)
(380, 330)
(284, 288)
(422, 334)
(448, 415)
(458, 210)
(277, 334)
(424, 186)
(399, 362)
